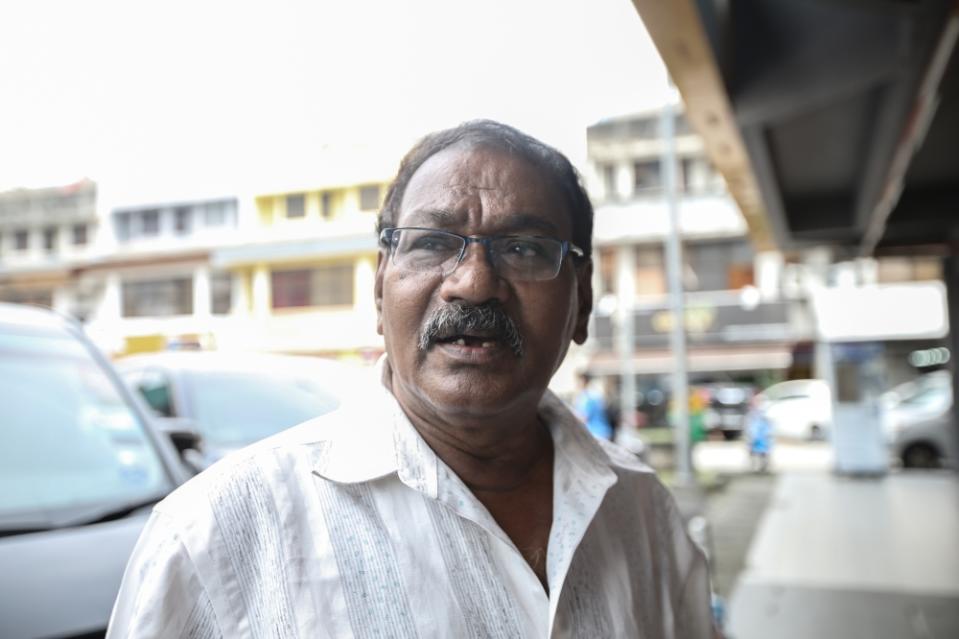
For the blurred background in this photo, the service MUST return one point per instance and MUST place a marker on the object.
(776, 187)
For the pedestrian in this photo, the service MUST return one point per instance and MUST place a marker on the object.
(460, 498)
(759, 435)
(591, 408)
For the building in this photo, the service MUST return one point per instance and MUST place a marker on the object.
(46, 234)
(741, 325)
(304, 276)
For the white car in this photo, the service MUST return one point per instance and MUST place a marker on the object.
(798, 409)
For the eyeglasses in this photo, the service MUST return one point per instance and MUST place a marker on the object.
(513, 257)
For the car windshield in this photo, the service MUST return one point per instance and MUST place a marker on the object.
(69, 442)
(235, 408)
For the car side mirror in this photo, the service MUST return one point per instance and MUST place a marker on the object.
(185, 438)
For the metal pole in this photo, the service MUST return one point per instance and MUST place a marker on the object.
(625, 340)
(674, 274)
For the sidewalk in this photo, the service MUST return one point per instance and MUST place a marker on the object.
(848, 558)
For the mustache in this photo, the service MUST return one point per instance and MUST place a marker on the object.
(488, 318)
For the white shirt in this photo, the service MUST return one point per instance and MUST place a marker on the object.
(349, 525)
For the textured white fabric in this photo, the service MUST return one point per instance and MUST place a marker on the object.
(350, 526)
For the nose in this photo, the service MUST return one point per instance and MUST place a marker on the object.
(474, 279)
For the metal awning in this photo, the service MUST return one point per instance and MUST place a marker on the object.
(834, 122)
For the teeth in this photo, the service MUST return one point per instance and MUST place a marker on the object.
(487, 344)
(460, 342)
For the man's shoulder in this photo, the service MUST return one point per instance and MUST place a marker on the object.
(291, 454)
(624, 460)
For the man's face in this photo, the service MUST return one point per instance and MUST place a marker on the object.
(480, 191)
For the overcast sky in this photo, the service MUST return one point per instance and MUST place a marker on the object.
(174, 97)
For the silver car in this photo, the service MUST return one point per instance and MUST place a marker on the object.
(234, 399)
(919, 423)
(80, 467)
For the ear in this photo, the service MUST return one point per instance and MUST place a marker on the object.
(378, 290)
(584, 289)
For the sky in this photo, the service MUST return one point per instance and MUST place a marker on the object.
(175, 99)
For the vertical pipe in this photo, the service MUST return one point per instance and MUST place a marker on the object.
(674, 274)
(625, 340)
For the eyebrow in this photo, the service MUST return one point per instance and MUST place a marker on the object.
(444, 219)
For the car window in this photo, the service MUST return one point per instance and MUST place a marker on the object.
(154, 386)
(68, 438)
(234, 408)
(929, 398)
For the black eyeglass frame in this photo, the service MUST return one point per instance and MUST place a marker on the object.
(567, 247)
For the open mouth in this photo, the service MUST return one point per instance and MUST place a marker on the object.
(473, 341)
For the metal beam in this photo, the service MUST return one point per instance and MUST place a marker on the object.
(923, 110)
(678, 33)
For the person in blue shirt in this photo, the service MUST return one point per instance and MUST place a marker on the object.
(760, 436)
(591, 408)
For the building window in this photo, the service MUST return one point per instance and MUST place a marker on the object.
(326, 204)
(221, 293)
(214, 214)
(295, 205)
(182, 220)
(80, 237)
(646, 177)
(50, 239)
(320, 286)
(150, 222)
(21, 240)
(122, 223)
(158, 298)
(370, 197)
(650, 271)
(719, 266)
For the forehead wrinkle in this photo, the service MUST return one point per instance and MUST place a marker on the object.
(427, 216)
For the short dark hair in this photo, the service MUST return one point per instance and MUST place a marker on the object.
(499, 136)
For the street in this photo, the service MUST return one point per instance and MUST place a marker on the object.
(801, 552)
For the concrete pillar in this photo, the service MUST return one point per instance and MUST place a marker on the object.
(624, 181)
(816, 264)
(201, 293)
(239, 297)
(950, 273)
(364, 274)
(768, 267)
(262, 295)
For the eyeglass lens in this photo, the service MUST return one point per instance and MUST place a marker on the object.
(516, 257)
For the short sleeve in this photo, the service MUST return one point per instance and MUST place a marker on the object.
(161, 595)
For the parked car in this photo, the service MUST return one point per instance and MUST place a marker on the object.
(80, 466)
(798, 409)
(235, 399)
(918, 421)
(728, 404)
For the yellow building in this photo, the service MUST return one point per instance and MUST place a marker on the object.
(303, 280)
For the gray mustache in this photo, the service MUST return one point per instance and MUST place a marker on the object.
(453, 319)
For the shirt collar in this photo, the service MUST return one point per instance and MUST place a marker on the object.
(373, 438)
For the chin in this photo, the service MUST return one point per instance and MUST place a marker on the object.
(460, 395)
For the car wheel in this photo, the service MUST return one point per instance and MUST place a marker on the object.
(920, 456)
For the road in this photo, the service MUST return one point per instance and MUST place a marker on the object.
(732, 458)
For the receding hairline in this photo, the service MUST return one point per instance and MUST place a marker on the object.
(469, 146)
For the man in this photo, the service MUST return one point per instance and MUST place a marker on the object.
(461, 498)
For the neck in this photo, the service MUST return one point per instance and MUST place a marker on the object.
(492, 454)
